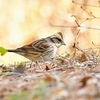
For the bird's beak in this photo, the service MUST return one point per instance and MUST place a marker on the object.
(63, 43)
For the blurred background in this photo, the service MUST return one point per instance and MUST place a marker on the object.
(24, 21)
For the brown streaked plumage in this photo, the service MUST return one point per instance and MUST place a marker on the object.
(44, 48)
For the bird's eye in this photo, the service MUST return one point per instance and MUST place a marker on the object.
(59, 39)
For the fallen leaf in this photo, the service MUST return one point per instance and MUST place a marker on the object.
(83, 58)
(84, 81)
(19, 69)
(47, 68)
(49, 78)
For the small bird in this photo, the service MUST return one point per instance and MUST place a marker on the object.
(43, 49)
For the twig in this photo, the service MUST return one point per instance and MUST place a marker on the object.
(86, 4)
(75, 27)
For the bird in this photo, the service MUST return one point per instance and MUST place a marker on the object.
(43, 49)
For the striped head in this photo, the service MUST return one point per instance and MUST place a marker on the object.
(57, 39)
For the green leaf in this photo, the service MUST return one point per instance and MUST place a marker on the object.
(20, 63)
(2, 51)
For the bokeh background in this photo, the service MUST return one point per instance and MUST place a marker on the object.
(23, 21)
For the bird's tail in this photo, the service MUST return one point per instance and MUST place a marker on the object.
(14, 50)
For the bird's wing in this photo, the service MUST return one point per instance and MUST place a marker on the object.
(38, 46)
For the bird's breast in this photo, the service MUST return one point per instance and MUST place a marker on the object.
(50, 53)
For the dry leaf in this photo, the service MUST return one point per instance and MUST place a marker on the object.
(84, 81)
(19, 69)
(49, 78)
(83, 58)
(47, 68)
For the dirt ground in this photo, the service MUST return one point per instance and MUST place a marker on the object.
(61, 79)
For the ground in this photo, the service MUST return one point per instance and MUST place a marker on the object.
(60, 79)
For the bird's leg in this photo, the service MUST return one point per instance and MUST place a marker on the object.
(46, 66)
(31, 64)
(38, 64)
(42, 60)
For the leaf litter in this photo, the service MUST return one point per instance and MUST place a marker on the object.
(59, 79)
